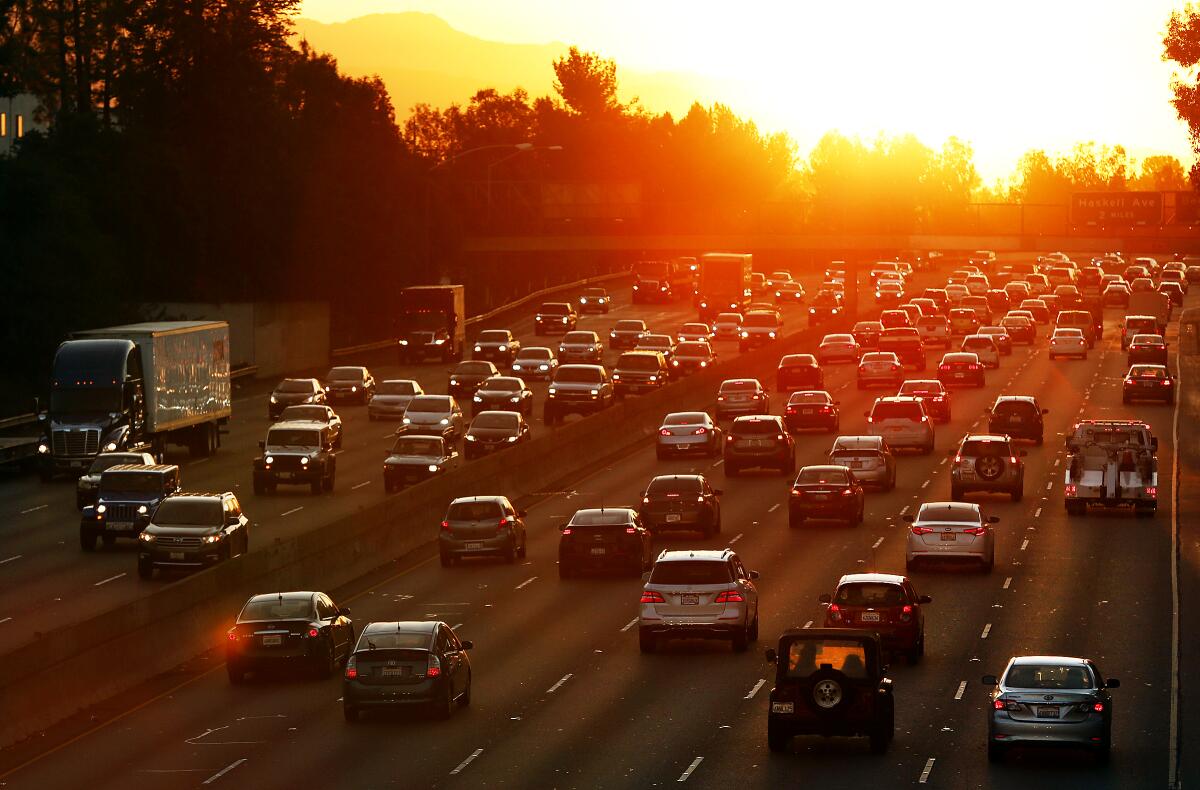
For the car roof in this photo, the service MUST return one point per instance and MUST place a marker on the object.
(876, 578)
(741, 381)
(355, 368)
(1014, 398)
(922, 383)
(897, 399)
(295, 595)
(950, 512)
(824, 468)
(157, 468)
(306, 381)
(709, 555)
(857, 442)
(496, 498)
(297, 425)
(200, 495)
(748, 418)
(1023, 660)
(403, 626)
(697, 478)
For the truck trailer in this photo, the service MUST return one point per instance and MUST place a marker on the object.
(724, 284)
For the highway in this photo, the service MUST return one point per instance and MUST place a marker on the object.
(563, 698)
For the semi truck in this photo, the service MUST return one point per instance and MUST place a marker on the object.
(431, 322)
(136, 387)
(724, 283)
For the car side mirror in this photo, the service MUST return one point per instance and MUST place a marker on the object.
(753, 574)
(344, 611)
(993, 519)
(924, 599)
(770, 655)
(1154, 443)
(825, 598)
(909, 517)
(990, 680)
(1112, 683)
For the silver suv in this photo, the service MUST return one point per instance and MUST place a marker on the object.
(868, 457)
(987, 462)
(699, 594)
(477, 526)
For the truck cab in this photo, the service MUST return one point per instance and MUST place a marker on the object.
(125, 501)
(431, 322)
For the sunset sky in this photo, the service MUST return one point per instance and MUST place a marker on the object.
(1004, 76)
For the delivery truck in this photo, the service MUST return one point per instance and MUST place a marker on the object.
(431, 322)
(724, 285)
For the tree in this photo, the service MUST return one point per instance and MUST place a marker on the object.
(587, 83)
(1162, 173)
(1181, 44)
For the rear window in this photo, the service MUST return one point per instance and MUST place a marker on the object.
(385, 640)
(739, 386)
(948, 512)
(182, 511)
(277, 609)
(931, 320)
(1014, 407)
(103, 462)
(808, 398)
(345, 374)
(305, 413)
(877, 356)
(668, 485)
(980, 448)
(474, 511)
(832, 476)
(1148, 372)
(686, 572)
(973, 343)
(597, 518)
(755, 427)
(1141, 323)
(870, 594)
(856, 454)
(728, 318)
(838, 339)
(396, 388)
(686, 418)
(798, 360)
(1049, 676)
(890, 410)
(921, 388)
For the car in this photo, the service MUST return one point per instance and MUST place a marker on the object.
(1041, 700)
(884, 603)
(391, 398)
(1037, 310)
(319, 414)
(1019, 328)
(1193, 273)
(1079, 319)
(1175, 291)
(727, 326)
(281, 630)
(758, 283)
(699, 594)
(977, 284)
(663, 344)
(503, 393)
(789, 291)
(1134, 325)
(126, 498)
(681, 502)
(742, 396)
(983, 310)
(934, 329)
(869, 458)
(1068, 296)
(838, 348)
(349, 382)
(889, 292)
(496, 345)
(830, 682)
(866, 333)
(404, 664)
(825, 306)
(826, 492)
(989, 463)
(607, 539)
(984, 347)
(761, 441)
(433, 415)
(495, 430)
(192, 531)
(595, 300)
(903, 421)
(581, 346)
(689, 432)
(1017, 292)
(998, 300)
(536, 362)
(468, 375)
(760, 328)
(963, 321)
(1147, 348)
(1003, 340)
(1068, 342)
(892, 319)
(957, 292)
(627, 332)
(905, 343)
(1038, 284)
(1017, 416)
(290, 392)
(640, 371)
(482, 526)
(1116, 294)
(798, 371)
(692, 356)
(1148, 382)
(555, 317)
(695, 331)
(416, 458)
(879, 367)
(809, 409)
(88, 484)
(296, 453)
(939, 297)
(928, 306)
(932, 393)
(579, 389)
(961, 369)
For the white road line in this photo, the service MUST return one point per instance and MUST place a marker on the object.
(360, 485)
(808, 624)
(987, 629)
(761, 682)
(773, 508)
(1173, 737)
(4, 620)
(1037, 513)
(33, 509)
(109, 579)
(1024, 544)
(224, 771)
(12, 558)
(683, 777)
(925, 484)
(293, 510)
(718, 463)
(1049, 484)
(1057, 461)
(962, 687)
(527, 581)
(456, 626)
(943, 461)
(202, 460)
(904, 510)
(928, 769)
(459, 768)
(629, 625)
(735, 539)
(1007, 583)
(558, 685)
(876, 544)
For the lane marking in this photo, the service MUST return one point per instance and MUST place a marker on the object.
(1037, 513)
(904, 510)
(808, 624)
(761, 682)
(527, 581)
(1049, 484)
(293, 510)
(1057, 461)
(717, 463)
(4, 620)
(558, 685)
(735, 539)
(360, 485)
(987, 629)
(773, 508)
(962, 687)
(1007, 582)
(26, 511)
(876, 545)
(223, 771)
(683, 777)
(456, 626)
(629, 625)
(943, 461)
(1173, 756)
(12, 558)
(925, 484)
(459, 768)
(109, 579)
(928, 768)
(1024, 544)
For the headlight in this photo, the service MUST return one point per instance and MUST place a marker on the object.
(110, 447)
(654, 378)
(353, 388)
(269, 460)
(511, 439)
(703, 364)
(516, 399)
(143, 510)
(101, 508)
(439, 341)
(469, 438)
(406, 420)
(479, 348)
(145, 537)
(564, 320)
(453, 382)
(595, 392)
(433, 467)
(445, 421)
(543, 367)
(583, 300)
(404, 342)
(516, 367)
(304, 461)
(478, 399)
(273, 399)
(601, 300)
(214, 538)
(771, 334)
(745, 334)
(612, 334)
(616, 377)
(43, 449)
(504, 348)
(551, 390)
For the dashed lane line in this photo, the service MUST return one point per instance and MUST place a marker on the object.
(629, 625)
(526, 582)
(357, 486)
(290, 512)
(808, 624)
(773, 508)
(1037, 513)
(1049, 484)
(928, 770)
(458, 769)
(1007, 583)
(13, 558)
(987, 629)
(29, 510)
(962, 687)
(559, 684)
(735, 539)
(683, 777)
(761, 682)
(109, 579)
(224, 771)
(1024, 544)
(876, 544)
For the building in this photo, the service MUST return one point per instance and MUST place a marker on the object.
(17, 119)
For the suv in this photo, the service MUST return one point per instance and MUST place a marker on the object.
(639, 371)
(1018, 416)
(1079, 319)
(759, 328)
(663, 344)
(193, 531)
(868, 457)
(884, 603)
(127, 495)
(830, 682)
(496, 345)
(987, 462)
(480, 526)
(759, 440)
(416, 458)
(581, 346)
(825, 306)
(555, 317)
(903, 421)
(905, 343)
(934, 329)
(698, 594)
(291, 392)
(681, 502)
(829, 491)
(89, 483)
(1137, 325)
(295, 452)
(320, 415)
(604, 538)
(467, 376)
(350, 383)
(594, 300)
(583, 389)
(627, 332)
(866, 333)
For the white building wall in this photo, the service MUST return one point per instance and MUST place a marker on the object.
(17, 119)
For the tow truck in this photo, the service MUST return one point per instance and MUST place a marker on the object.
(1111, 464)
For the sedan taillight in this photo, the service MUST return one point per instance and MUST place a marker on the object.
(730, 596)
(652, 596)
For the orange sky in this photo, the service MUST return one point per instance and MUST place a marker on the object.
(1004, 76)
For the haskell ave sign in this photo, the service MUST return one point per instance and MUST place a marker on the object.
(1116, 208)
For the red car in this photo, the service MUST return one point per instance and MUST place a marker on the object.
(884, 603)
(933, 393)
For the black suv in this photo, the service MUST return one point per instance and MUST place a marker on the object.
(639, 371)
(190, 531)
(292, 392)
(582, 389)
(496, 345)
(467, 376)
(830, 681)
(352, 383)
(128, 494)
(681, 502)
(555, 318)
(295, 453)
(824, 306)
(759, 440)
(605, 539)
(1019, 416)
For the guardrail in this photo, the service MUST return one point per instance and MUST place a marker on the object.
(20, 419)
(243, 372)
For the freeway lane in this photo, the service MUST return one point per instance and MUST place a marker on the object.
(623, 719)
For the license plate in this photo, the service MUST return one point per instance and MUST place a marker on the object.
(118, 526)
(806, 411)
(284, 475)
(77, 464)
(272, 640)
(394, 672)
(818, 496)
(870, 617)
(599, 551)
(949, 536)
(474, 545)
(689, 600)
(673, 517)
(1047, 712)
(1015, 420)
(177, 555)
(959, 375)
(856, 464)
(783, 707)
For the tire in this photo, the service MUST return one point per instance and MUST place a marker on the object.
(510, 554)
(315, 485)
(464, 700)
(1076, 508)
(87, 540)
(741, 640)
(1040, 440)
(444, 708)
(996, 752)
(565, 571)
(524, 550)
(259, 487)
(927, 449)
(350, 713)
(778, 740)
(1104, 750)
(324, 666)
(881, 738)
(1018, 492)
(990, 563)
(327, 483)
(237, 674)
(145, 570)
(446, 558)
(659, 454)
(647, 643)
(753, 634)
(338, 444)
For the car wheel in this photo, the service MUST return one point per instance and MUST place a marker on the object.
(1039, 440)
(109, 540)
(990, 563)
(87, 539)
(1104, 750)
(741, 640)
(350, 713)
(996, 752)
(795, 520)
(326, 664)
(327, 483)
(881, 738)
(647, 642)
(510, 554)
(524, 550)
(565, 571)
(315, 485)
(145, 569)
(464, 699)
(778, 739)
(1018, 492)
(753, 635)
(447, 559)
(659, 454)
(444, 707)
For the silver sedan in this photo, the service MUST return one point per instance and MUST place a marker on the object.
(688, 432)
(950, 530)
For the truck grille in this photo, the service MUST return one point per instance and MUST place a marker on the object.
(76, 443)
(120, 512)
(177, 541)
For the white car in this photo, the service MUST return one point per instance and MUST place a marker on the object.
(1068, 342)
(984, 347)
(535, 362)
(880, 367)
(978, 284)
(728, 326)
(950, 531)
(934, 329)
(903, 422)
(838, 348)
(699, 594)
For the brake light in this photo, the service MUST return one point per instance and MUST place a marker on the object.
(998, 704)
(720, 397)
(1151, 491)
(924, 418)
(943, 367)
(232, 636)
(835, 613)
(1098, 707)
(790, 410)
(848, 492)
(700, 431)
(972, 367)
(631, 530)
(958, 459)
(730, 596)
(975, 531)
(566, 531)
(1070, 489)
(921, 530)
(779, 436)
(435, 668)
(1012, 459)
(351, 669)
(652, 596)
(755, 397)
(313, 633)
(1166, 382)
(664, 432)
(503, 523)
(446, 525)
(870, 419)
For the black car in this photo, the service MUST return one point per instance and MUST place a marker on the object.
(826, 492)
(691, 356)
(1020, 329)
(824, 306)
(555, 318)
(352, 383)
(1148, 382)
(627, 333)
(416, 458)
(494, 430)
(482, 526)
(292, 392)
(799, 372)
(192, 531)
(496, 345)
(282, 630)
(1147, 349)
(126, 497)
(812, 409)
(681, 502)
(611, 538)
(503, 393)
(830, 682)
(295, 453)
(1019, 416)
(582, 389)
(401, 665)
(467, 376)
(759, 440)
(866, 333)
(595, 300)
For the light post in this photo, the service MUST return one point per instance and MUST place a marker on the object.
(521, 148)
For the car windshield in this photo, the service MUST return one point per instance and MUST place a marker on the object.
(132, 482)
(755, 427)
(870, 594)
(474, 511)
(798, 360)
(629, 326)
(693, 349)
(1147, 340)
(493, 336)
(502, 384)
(601, 518)
(278, 608)
(761, 320)
(305, 413)
(690, 572)
(294, 385)
(496, 420)
(429, 404)
(806, 656)
(103, 462)
(578, 337)
(414, 445)
(578, 375)
(1049, 676)
(553, 308)
(674, 485)
(184, 511)
(474, 369)
(820, 476)
(639, 362)
(686, 418)
(345, 374)
(978, 344)
(293, 437)
(535, 354)
(398, 640)
(1068, 333)
(396, 388)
